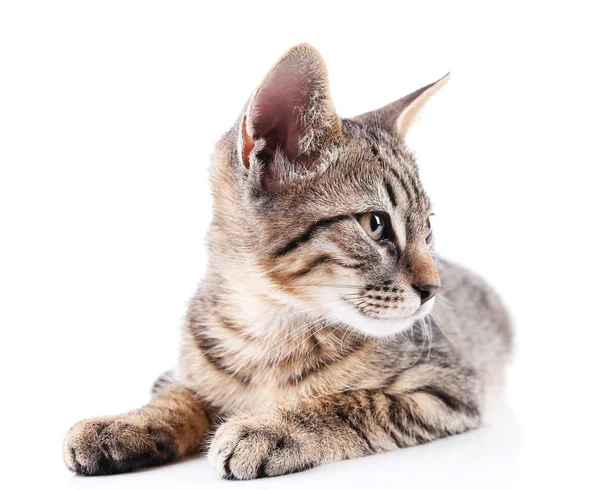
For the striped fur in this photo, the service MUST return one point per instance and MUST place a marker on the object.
(307, 341)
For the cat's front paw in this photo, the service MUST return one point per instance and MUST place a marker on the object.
(244, 448)
(107, 445)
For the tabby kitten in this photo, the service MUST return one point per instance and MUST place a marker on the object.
(315, 335)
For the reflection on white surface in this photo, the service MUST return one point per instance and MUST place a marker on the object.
(485, 458)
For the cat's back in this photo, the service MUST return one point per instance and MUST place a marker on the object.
(474, 319)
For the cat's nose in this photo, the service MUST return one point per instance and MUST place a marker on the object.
(426, 291)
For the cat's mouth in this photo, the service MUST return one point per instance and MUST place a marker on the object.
(381, 308)
(377, 323)
(422, 311)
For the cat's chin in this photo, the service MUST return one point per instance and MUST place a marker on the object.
(380, 327)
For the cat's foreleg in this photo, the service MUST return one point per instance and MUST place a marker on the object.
(172, 425)
(347, 425)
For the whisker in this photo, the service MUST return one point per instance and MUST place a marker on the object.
(430, 335)
(338, 286)
(443, 301)
(419, 326)
(280, 343)
(342, 341)
(285, 341)
(278, 317)
(438, 323)
(292, 350)
(326, 325)
(314, 346)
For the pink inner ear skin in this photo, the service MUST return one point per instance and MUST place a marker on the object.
(248, 145)
(283, 130)
(292, 112)
(277, 107)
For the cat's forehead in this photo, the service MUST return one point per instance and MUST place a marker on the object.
(371, 159)
(378, 142)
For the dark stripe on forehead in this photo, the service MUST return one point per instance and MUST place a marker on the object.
(407, 177)
(403, 184)
(391, 194)
(414, 184)
(308, 234)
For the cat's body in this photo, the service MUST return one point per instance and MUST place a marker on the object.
(220, 360)
(316, 340)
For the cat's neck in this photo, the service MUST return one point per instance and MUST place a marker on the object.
(254, 328)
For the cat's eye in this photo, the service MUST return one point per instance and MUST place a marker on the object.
(428, 231)
(374, 224)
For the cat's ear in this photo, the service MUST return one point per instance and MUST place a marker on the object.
(398, 116)
(290, 115)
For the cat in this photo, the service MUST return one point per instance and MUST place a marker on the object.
(318, 333)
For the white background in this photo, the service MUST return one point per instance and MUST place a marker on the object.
(108, 114)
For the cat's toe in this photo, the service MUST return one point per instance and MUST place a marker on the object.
(239, 452)
(244, 451)
(105, 446)
(82, 447)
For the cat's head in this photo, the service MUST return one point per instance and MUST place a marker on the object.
(330, 213)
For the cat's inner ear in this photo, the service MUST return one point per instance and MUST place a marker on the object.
(398, 116)
(291, 113)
